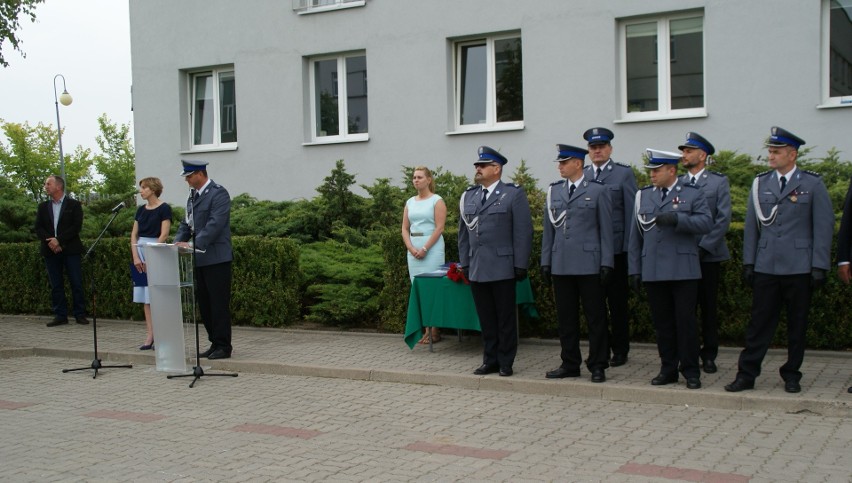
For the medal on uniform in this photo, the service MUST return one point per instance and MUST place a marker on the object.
(793, 198)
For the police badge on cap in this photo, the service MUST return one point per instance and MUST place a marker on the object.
(780, 137)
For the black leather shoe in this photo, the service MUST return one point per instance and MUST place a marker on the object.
(709, 366)
(693, 383)
(618, 360)
(82, 320)
(506, 371)
(561, 372)
(486, 369)
(739, 384)
(207, 352)
(219, 354)
(57, 321)
(849, 390)
(792, 386)
(663, 379)
(598, 375)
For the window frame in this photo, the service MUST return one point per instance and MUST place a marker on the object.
(490, 123)
(342, 92)
(664, 100)
(304, 7)
(825, 63)
(216, 144)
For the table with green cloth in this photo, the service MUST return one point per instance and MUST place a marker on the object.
(440, 302)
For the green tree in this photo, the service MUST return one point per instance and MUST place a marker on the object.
(33, 154)
(116, 162)
(535, 196)
(17, 212)
(10, 13)
(337, 201)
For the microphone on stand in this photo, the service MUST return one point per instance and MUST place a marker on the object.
(118, 207)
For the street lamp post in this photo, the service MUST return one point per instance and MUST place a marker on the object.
(65, 99)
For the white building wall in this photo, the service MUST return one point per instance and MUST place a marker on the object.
(762, 68)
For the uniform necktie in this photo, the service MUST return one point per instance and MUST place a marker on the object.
(571, 191)
(598, 173)
(484, 195)
(665, 192)
(692, 182)
(195, 195)
(783, 182)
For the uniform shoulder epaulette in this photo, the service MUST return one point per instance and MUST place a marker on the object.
(765, 173)
(472, 187)
(587, 166)
(691, 186)
(621, 164)
(717, 173)
(646, 187)
(557, 182)
(512, 185)
(596, 181)
(812, 173)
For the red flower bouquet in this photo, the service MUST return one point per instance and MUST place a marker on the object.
(456, 274)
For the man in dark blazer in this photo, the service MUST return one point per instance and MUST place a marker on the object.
(208, 215)
(495, 242)
(58, 224)
(670, 215)
(786, 253)
(576, 254)
(621, 185)
(844, 241)
(712, 247)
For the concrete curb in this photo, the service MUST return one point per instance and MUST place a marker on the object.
(671, 396)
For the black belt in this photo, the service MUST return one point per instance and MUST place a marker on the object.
(417, 234)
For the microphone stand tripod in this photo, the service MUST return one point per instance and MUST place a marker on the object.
(96, 362)
(197, 371)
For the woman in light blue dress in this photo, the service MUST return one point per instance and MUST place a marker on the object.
(422, 230)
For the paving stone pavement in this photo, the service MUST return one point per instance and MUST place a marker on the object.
(333, 406)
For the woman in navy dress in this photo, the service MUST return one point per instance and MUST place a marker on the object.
(151, 225)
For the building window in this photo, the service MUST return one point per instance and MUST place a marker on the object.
(213, 109)
(314, 6)
(489, 84)
(837, 54)
(662, 79)
(339, 93)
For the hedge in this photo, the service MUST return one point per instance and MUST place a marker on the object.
(265, 281)
(830, 318)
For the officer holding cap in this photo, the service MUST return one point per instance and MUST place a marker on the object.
(786, 254)
(208, 215)
(576, 254)
(713, 249)
(621, 185)
(669, 217)
(495, 242)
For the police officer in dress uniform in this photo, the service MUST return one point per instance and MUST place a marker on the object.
(576, 254)
(621, 185)
(844, 242)
(712, 248)
(664, 255)
(495, 241)
(786, 253)
(208, 214)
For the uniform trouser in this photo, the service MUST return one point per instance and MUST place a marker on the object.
(72, 266)
(616, 293)
(495, 306)
(569, 291)
(708, 291)
(214, 302)
(770, 292)
(673, 310)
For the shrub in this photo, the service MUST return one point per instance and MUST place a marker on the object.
(265, 286)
